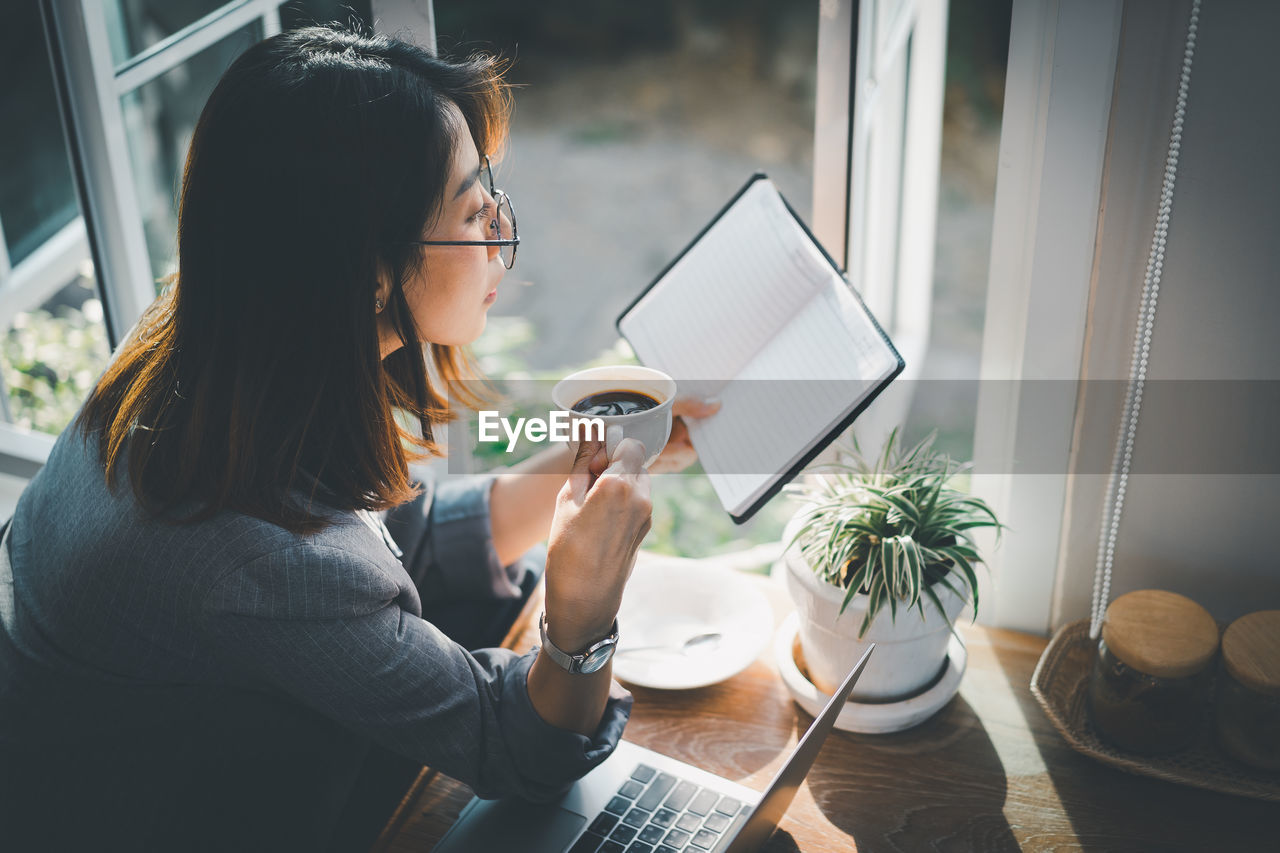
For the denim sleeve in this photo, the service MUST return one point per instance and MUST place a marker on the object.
(447, 541)
(325, 628)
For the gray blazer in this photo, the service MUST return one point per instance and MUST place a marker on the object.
(175, 678)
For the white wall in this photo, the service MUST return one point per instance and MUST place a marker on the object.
(1211, 536)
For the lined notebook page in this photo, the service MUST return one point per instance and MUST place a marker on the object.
(739, 285)
(785, 400)
(754, 313)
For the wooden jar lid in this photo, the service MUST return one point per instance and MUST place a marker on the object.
(1160, 633)
(1251, 651)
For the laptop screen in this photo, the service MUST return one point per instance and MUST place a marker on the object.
(782, 790)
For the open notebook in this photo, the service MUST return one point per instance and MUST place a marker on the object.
(755, 312)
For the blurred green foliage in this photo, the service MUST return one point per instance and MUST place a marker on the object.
(50, 362)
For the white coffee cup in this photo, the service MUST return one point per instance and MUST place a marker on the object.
(651, 427)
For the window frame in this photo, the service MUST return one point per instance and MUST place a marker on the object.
(878, 112)
(1053, 151)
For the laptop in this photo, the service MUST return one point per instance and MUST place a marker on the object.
(640, 801)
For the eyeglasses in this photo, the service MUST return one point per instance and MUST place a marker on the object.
(503, 225)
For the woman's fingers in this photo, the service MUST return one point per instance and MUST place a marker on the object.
(628, 458)
(581, 476)
(678, 454)
(600, 461)
(694, 407)
(679, 433)
(597, 529)
(631, 508)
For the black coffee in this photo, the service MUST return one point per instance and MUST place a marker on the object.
(614, 403)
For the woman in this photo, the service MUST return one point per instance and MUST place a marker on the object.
(206, 627)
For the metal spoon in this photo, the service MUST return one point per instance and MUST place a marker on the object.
(697, 644)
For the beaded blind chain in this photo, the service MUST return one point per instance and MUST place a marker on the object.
(1113, 507)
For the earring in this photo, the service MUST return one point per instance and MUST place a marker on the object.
(377, 304)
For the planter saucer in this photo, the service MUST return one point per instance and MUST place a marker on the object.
(866, 717)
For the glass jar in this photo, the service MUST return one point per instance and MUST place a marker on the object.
(1150, 684)
(1247, 703)
(1143, 713)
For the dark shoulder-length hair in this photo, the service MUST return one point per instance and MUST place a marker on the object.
(257, 373)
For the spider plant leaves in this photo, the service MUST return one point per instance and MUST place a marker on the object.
(938, 604)
(931, 502)
(904, 507)
(914, 565)
(844, 557)
(905, 564)
(875, 599)
(945, 579)
(886, 585)
(966, 551)
(961, 555)
(858, 524)
(858, 582)
(933, 597)
(891, 528)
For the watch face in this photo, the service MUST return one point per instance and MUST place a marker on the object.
(597, 658)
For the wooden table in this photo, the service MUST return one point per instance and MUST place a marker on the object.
(988, 772)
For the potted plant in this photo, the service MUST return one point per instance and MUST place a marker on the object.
(883, 552)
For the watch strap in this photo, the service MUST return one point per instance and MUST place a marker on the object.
(588, 661)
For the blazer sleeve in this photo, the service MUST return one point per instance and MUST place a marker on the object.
(323, 626)
(447, 540)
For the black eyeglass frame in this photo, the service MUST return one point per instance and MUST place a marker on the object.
(499, 197)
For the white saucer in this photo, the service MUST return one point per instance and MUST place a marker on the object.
(669, 600)
(867, 718)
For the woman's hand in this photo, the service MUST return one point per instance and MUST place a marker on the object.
(679, 453)
(602, 515)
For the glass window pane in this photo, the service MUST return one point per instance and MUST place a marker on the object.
(159, 118)
(54, 341)
(977, 53)
(53, 353)
(37, 196)
(135, 25)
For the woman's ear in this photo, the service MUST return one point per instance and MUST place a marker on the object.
(382, 295)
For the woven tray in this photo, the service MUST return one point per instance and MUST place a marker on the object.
(1059, 684)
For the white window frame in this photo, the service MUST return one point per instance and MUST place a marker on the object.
(877, 149)
(90, 85)
(1061, 72)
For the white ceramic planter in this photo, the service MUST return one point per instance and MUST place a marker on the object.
(909, 651)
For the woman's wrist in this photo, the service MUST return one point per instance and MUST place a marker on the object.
(573, 701)
(576, 636)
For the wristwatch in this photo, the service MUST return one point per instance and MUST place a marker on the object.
(596, 655)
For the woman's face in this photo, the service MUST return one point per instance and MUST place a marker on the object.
(451, 293)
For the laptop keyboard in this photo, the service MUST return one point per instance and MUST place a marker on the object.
(657, 812)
